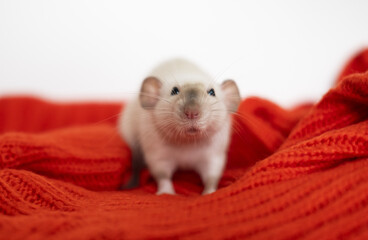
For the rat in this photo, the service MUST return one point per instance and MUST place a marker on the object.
(180, 120)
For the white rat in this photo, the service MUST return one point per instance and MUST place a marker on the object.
(181, 119)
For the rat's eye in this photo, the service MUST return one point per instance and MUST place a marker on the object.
(174, 91)
(211, 92)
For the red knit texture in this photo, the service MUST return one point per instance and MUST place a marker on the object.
(291, 174)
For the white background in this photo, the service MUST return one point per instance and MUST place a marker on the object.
(285, 51)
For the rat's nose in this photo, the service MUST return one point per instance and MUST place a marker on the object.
(191, 113)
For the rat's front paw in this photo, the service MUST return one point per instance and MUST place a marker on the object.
(165, 191)
(208, 191)
(165, 187)
(210, 185)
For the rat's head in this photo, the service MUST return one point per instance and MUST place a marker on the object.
(190, 111)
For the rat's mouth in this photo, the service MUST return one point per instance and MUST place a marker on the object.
(193, 130)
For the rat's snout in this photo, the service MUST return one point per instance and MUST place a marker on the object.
(191, 107)
(191, 112)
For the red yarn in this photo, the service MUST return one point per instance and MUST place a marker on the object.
(291, 174)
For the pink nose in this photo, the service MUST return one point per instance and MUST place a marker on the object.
(191, 114)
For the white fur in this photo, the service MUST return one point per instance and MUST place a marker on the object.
(207, 157)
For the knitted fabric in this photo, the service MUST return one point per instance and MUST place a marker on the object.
(291, 174)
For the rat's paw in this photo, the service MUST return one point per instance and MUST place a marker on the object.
(165, 186)
(166, 189)
(208, 191)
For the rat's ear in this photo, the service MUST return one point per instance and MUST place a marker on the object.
(150, 92)
(231, 95)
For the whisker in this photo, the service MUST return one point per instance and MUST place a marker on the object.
(105, 119)
(226, 69)
(173, 76)
(154, 96)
